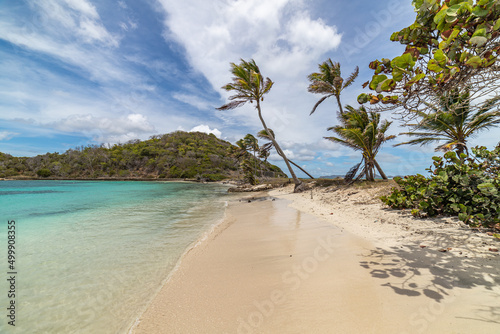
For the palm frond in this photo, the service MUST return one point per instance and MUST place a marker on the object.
(328, 81)
(349, 176)
(266, 147)
(489, 104)
(350, 80)
(232, 105)
(344, 142)
(483, 122)
(265, 135)
(420, 141)
(318, 103)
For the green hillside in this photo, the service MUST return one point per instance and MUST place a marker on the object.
(192, 155)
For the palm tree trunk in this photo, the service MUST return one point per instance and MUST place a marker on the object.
(293, 163)
(461, 149)
(380, 171)
(369, 171)
(339, 103)
(254, 163)
(298, 183)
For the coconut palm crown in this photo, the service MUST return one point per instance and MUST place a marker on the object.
(363, 131)
(453, 122)
(329, 82)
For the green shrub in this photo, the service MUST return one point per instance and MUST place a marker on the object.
(214, 177)
(465, 187)
(175, 172)
(44, 172)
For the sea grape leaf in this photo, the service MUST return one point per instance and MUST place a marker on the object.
(474, 61)
(478, 40)
(480, 31)
(386, 85)
(464, 56)
(481, 12)
(497, 25)
(424, 50)
(434, 66)
(441, 15)
(376, 80)
(487, 188)
(417, 78)
(397, 75)
(404, 61)
(453, 10)
(440, 57)
(363, 98)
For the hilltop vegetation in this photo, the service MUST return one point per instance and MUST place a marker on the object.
(174, 155)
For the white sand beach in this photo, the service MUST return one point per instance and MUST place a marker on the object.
(337, 263)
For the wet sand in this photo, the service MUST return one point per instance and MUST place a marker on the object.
(270, 268)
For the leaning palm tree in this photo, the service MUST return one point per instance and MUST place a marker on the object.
(266, 148)
(362, 131)
(329, 82)
(241, 149)
(252, 143)
(250, 86)
(453, 122)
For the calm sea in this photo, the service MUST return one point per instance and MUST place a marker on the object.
(91, 255)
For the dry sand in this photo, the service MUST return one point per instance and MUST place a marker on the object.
(336, 263)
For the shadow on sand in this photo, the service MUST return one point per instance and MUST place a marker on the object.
(437, 272)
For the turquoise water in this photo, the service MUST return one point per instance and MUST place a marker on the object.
(90, 255)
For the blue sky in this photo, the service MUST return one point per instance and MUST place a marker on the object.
(80, 72)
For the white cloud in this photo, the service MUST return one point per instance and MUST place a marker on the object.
(128, 26)
(306, 155)
(282, 36)
(77, 17)
(6, 135)
(206, 129)
(311, 34)
(103, 129)
(70, 31)
(91, 31)
(194, 101)
(83, 6)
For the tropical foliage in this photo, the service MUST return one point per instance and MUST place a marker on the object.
(454, 122)
(362, 131)
(452, 45)
(250, 168)
(249, 85)
(465, 187)
(329, 82)
(175, 155)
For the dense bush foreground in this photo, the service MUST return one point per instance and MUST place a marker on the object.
(467, 187)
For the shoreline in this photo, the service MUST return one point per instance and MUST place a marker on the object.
(108, 179)
(399, 274)
(198, 242)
